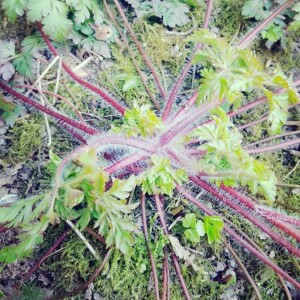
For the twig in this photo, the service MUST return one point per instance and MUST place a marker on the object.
(38, 83)
(95, 235)
(179, 81)
(42, 259)
(103, 94)
(166, 278)
(134, 61)
(174, 257)
(85, 241)
(140, 49)
(275, 147)
(297, 164)
(75, 292)
(242, 266)
(261, 26)
(272, 137)
(153, 267)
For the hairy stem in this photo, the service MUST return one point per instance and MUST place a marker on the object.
(183, 124)
(56, 96)
(242, 266)
(243, 43)
(140, 49)
(134, 61)
(179, 81)
(238, 209)
(275, 147)
(48, 111)
(104, 95)
(277, 219)
(174, 257)
(240, 240)
(166, 278)
(145, 227)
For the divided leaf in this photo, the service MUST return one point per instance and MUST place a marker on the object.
(226, 158)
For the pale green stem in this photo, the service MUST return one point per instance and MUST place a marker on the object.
(85, 241)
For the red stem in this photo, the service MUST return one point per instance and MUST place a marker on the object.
(184, 123)
(3, 229)
(104, 95)
(261, 26)
(248, 106)
(48, 111)
(75, 134)
(56, 96)
(274, 147)
(187, 106)
(153, 267)
(140, 49)
(174, 257)
(84, 286)
(259, 255)
(237, 208)
(179, 81)
(274, 218)
(42, 259)
(166, 279)
(125, 162)
(132, 56)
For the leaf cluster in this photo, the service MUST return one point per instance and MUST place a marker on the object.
(226, 159)
(25, 214)
(211, 226)
(260, 10)
(56, 16)
(173, 12)
(84, 197)
(139, 121)
(23, 62)
(161, 177)
(295, 24)
(230, 71)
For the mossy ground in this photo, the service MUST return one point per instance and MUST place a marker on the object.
(125, 278)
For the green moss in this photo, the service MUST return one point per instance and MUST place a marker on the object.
(27, 137)
(227, 17)
(72, 265)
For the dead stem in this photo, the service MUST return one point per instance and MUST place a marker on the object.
(242, 266)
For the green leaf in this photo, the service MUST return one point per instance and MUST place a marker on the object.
(200, 228)
(37, 10)
(25, 64)
(213, 226)
(161, 178)
(85, 218)
(254, 9)
(192, 235)
(131, 81)
(31, 237)
(139, 120)
(7, 70)
(189, 221)
(73, 197)
(295, 25)
(176, 14)
(121, 189)
(14, 8)
(273, 33)
(7, 50)
(56, 23)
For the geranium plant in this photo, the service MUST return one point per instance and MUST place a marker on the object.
(160, 149)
